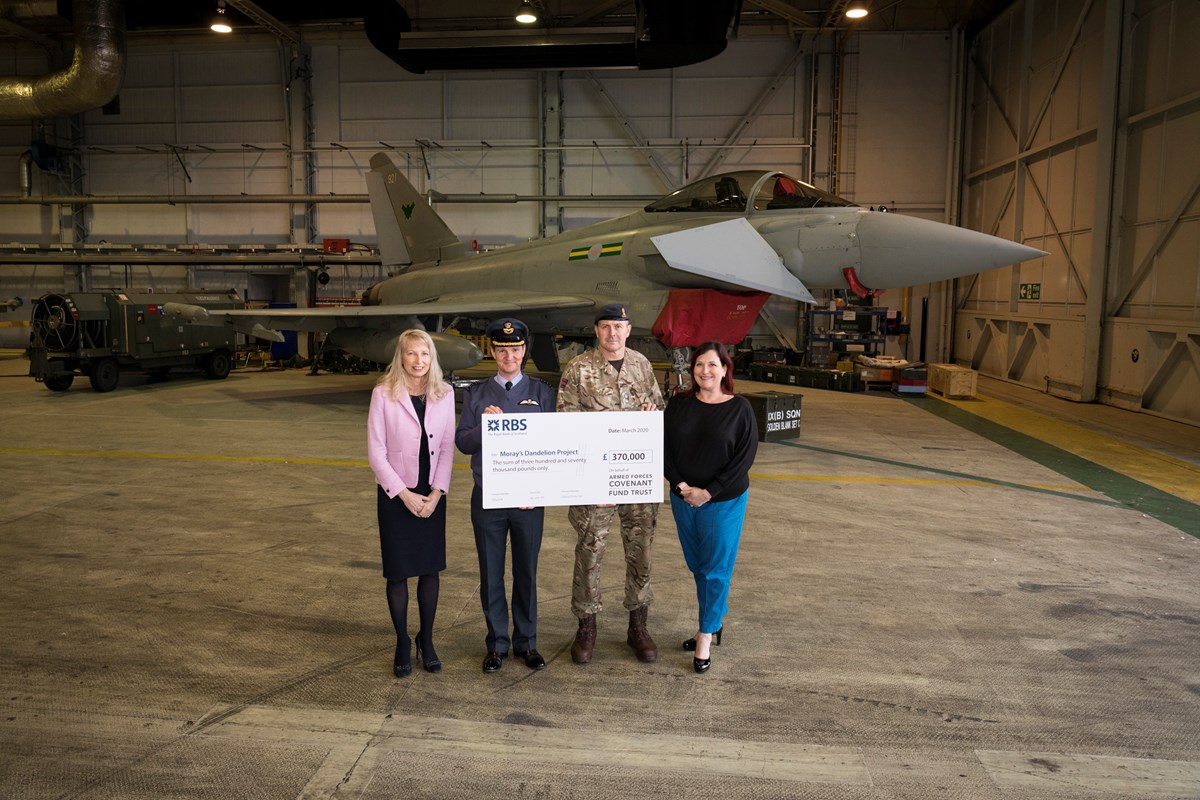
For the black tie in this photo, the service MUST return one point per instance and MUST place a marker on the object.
(507, 385)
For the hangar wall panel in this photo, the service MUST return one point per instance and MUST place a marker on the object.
(1034, 161)
(233, 99)
(201, 118)
(895, 124)
(900, 107)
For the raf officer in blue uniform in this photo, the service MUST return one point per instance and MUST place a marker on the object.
(508, 392)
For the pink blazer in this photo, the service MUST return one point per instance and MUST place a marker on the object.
(393, 433)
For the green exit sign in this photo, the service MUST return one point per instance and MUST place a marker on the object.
(1031, 291)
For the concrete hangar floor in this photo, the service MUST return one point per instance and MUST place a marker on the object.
(993, 598)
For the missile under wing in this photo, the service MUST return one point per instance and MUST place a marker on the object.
(709, 254)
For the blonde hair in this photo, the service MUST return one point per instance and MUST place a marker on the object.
(394, 378)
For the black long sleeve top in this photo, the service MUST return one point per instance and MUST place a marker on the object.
(710, 445)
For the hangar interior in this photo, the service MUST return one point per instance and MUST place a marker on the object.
(980, 599)
(1057, 125)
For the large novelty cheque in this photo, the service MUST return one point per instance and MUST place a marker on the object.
(572, 459)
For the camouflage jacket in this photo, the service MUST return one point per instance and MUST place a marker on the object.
(589, 383)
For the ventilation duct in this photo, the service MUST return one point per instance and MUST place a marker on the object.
(93, 77)
(668, 33)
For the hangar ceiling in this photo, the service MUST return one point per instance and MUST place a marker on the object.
(433, 36)
(47, 21)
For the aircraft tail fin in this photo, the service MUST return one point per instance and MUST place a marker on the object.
(409, 231)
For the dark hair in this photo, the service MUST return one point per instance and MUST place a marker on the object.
(726, 361)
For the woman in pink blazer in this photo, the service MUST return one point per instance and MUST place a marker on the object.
(410, 446)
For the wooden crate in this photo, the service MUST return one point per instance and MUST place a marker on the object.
(951, 380)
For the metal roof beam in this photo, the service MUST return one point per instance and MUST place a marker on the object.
(788, 12)
(261, 17)
(598, 10)
(748, 119)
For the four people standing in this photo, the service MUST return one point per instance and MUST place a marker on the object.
(710, 444)
(509, 391)
(410, 447)
(611, 377)
(711, 440)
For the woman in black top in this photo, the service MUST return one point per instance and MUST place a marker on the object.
(711, 439)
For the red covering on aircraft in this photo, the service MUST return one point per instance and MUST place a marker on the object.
(695, 316)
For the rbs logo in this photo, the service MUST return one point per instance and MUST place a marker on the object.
(506, 424)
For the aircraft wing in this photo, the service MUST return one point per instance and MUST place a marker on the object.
(731, 251)
(263, 322)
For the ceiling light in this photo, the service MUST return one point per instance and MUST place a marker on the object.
(527, 14)
(856, 11)
(220, 23)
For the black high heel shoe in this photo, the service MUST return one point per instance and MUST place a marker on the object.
(430, 664)
(398, 669)
(701, 665)
(690, 644)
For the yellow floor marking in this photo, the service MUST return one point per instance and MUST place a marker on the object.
(327, 462)
(1057, 487)
(321, 462)
(346, 462)
(1161, 471)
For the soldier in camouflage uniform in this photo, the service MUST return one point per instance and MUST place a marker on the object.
(611, 377)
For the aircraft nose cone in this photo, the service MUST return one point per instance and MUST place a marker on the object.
(897, 251)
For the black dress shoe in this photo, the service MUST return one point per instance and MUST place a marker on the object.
(492, 662)
(701, 664)
(398, 669)
(690, 644)
(533, 659)
(430, 661)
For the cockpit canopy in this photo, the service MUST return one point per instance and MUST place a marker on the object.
(749, 190)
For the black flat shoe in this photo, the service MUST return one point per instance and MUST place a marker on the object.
(701, 664)
(690, 644)
(431, 663)
(492, 662)
(533, 659)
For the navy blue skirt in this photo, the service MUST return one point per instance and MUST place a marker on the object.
(410, 545)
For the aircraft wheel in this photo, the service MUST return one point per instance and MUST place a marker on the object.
(104, 375)
(59, 383)
(216, 364)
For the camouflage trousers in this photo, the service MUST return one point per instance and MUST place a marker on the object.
(637, 534)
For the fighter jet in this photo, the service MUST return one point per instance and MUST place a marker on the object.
(695, 265)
